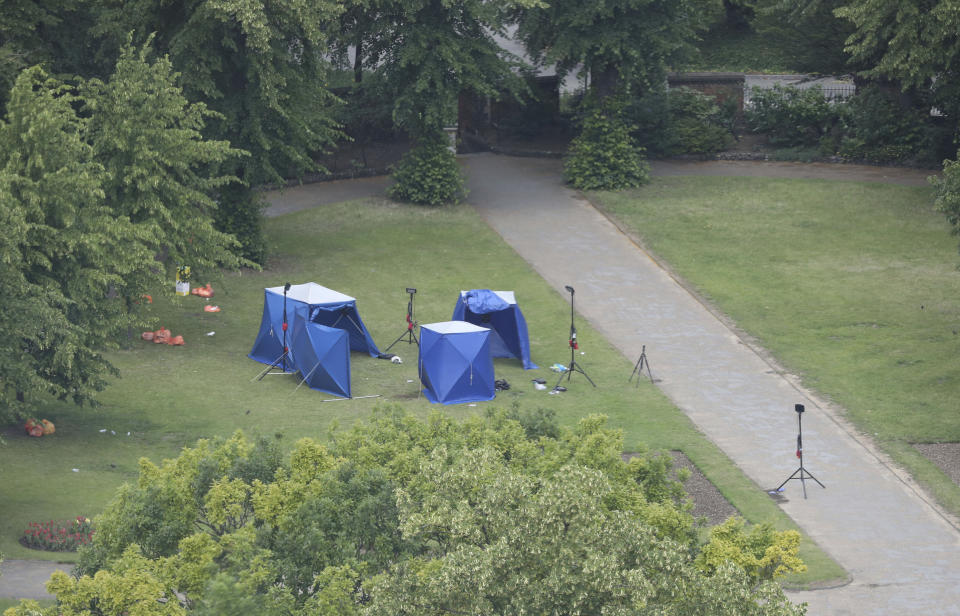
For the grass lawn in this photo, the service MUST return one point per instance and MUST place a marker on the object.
(852, 286)
(169, 396)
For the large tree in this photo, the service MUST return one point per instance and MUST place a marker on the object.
(160, 172)
(261, 66)
(105, 186)
(48, 32)
(401, 516)
(625, 45)
(64, 248)
(809, 31)
(912, 44)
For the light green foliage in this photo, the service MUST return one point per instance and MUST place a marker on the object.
(428, 175)
(763, 552)
(404, 516)
(604, 154)
(96, 183)
(149, 139)
(63, 250)
(260, 65)
(133, 585)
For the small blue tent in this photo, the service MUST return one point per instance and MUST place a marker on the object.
(322, 354)
(326, 307)
(499, 311)
(455, 363)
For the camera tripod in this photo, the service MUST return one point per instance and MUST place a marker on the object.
(801, 473)
(638, 367)
(574, 366)
(411, 323)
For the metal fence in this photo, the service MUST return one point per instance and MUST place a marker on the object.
(839, 92)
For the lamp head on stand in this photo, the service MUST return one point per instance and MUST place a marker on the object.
(569, 288)
(798, 408)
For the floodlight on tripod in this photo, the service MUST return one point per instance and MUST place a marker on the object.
(574, 347)
(801, 473)
(408, 333)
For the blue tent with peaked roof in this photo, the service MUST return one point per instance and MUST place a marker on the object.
(322, 354)
(326, 307)
(455, 363)
(497, 310)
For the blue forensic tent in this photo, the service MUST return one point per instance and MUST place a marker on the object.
(322, 354)
(455, 363)
(326, 307)
(499, 311)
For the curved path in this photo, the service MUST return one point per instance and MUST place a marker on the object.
(902, 554)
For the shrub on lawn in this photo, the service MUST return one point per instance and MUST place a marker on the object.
(790, 116)
(604, 156)
(58, 535)
(428, 175)
(877, 128)
(681, 121)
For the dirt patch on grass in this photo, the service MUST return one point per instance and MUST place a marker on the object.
(708, 502)
(945, 455)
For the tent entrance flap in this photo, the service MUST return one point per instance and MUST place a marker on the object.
(322, 355)
(498, 311)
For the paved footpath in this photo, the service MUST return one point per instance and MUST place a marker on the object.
(901, 553)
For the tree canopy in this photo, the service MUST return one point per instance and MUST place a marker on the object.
(912, 43)
(622, 43)
(260, 65)
(403, 516)
(101, 198)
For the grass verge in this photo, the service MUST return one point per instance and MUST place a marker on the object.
(851, 286)
(168, 396)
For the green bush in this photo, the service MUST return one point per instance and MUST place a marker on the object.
(604, 156)
(876, 128)
(428, 175)
(681, 121)
(789, 116)
(240, 213)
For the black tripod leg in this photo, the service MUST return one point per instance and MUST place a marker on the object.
(272, 366)
(581, 371)
(810, 476)
(398, 340)
(793, 476)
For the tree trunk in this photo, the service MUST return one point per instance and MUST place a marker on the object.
(604, 80)
(358, 61)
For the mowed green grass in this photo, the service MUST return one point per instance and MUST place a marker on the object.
(170, 396)
(852, 286)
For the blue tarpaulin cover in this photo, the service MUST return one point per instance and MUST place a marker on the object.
(322, 354)
(455, 363)
(326, 307)
(497, 310)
